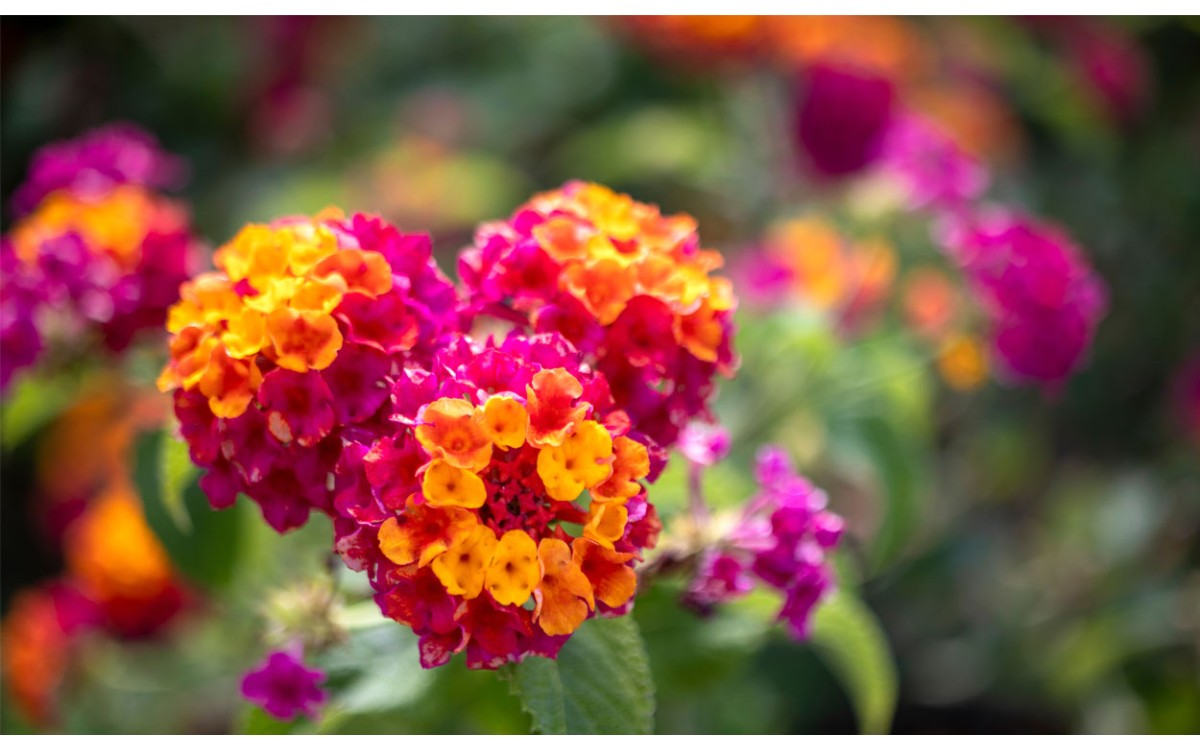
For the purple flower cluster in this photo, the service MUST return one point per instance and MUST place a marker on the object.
(284, 686)
(782, 538)
(1042, 299)
(116, 154)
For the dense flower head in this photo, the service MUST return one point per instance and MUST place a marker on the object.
(628, 286)
(116, 154)
(1042, 299)
(98, 263)
(782, 539)
(296, 338)
(284, 687)
(506, 506)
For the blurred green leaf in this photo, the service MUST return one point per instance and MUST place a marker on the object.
(254, 720)
(849, 638)
(33, 402)
(600, 683)
(203, 543)
(178, 472)
(380, 666)
(897, 462)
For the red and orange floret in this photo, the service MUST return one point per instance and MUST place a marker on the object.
(524, 518)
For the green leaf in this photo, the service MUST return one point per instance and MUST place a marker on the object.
(203, 543)
(32, 403)
(178, 473)
(254, 720)
(897, 461)
(849, 638)
(600, 683)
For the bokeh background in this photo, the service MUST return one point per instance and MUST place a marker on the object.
(1031, 552)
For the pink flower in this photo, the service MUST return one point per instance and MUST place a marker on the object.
(1043, 299)
(284, 687)
(783, 538)
(704, 444)
(116, 154)
(933, 171)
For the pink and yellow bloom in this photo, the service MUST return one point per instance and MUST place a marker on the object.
(499, 515)
(297, 337)
(628, 286)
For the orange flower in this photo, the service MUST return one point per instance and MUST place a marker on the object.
(229, 383)
(565, 597)
(453, 430)
(114, 554)
(605, 523)
(963, 363)
(506, 421)
(515, 569)
(463, 567)
(613, 582)
(549, 400)
(358, 271)
(424, 532)
(445, 484)
(302, 339)
(632, 463)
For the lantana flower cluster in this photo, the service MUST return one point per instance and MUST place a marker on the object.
(99, 253)
(295, 339)
(782, 539)
(631, 288)
(507, 505)
(492, 488)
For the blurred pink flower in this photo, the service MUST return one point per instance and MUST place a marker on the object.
(284, 686)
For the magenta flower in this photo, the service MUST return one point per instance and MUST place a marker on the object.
(932, 170)
(841, 117)
(1043, 300)
(782, 538)
(284, 687)
(116, 154)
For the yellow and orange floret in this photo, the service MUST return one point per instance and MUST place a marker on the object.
(524, 517)
(293, 276)
(628, 286)
(295, 337)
